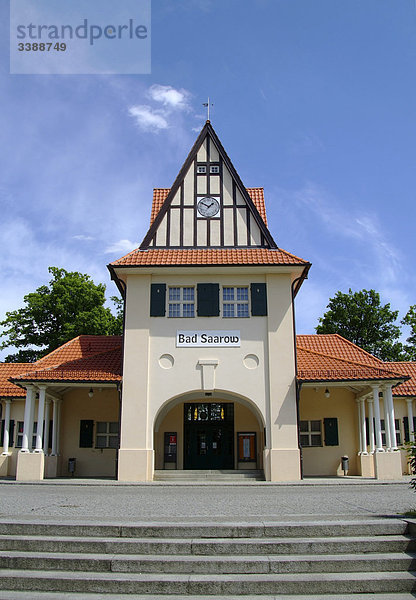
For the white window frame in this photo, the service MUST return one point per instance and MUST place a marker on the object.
(19, 434)
(310, 433)
(397, 428)
(235, 302)
(182, 303)
(201, 170)
(107, 431)
(214, 169)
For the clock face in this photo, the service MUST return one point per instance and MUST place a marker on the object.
(208, 207)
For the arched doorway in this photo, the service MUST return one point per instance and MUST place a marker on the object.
(219, 432)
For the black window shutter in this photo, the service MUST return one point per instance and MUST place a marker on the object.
(331, 432)
(406, 429)
(158, 299)
(258, 299)
(208, 299)
(11, 432)
(50, 433)
(86, 429)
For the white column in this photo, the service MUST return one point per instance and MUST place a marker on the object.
(362, 425)
(47, 419)
(410, 419)
(386, 420)
(28, 419)
(41, 412)
(6, 427)
(390, 405)
(360, 433)
(56, 426)
(371, 425)
(376, 400)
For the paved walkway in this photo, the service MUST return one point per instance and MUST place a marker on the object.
(94, 500)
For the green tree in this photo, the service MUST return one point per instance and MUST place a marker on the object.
(360, 318)
(410, 347)
(71, 305)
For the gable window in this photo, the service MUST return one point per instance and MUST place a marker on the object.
(201, 169)
(214, 169)
(106, 434)
(181, 302)
(235, 302)
(310, 433)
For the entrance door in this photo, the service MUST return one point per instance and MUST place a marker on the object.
(209, 436)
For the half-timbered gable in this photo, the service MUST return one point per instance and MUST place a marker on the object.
(208, 205)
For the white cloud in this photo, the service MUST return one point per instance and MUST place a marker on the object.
(122, 246)
(147, 118)
(83, 238)
(169, 96)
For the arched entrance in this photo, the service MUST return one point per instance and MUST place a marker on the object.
(219, 432)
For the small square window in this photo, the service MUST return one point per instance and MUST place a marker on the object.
(310, 433)
(181, 302)
(214, 169)
(106, 434)
(235, 302)
(201, 169)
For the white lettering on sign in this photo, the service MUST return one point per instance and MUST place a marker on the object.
(201, 339)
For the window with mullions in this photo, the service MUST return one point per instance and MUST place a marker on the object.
(181, 302)
(235, 302)
(310, 433)
(383, 431)
(106, 434)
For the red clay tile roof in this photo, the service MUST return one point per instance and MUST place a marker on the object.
(160, 195)
(103, 367)
(314, 366)
(99, 359)
(338, 347)
(85, 358)
(407, 388)
(80, 347)
(7, 370)
(208, 256)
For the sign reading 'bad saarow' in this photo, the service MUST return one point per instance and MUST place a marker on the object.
(202, 339)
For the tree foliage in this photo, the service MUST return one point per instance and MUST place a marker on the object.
(361, 318)
(410, 347)
(71, 305)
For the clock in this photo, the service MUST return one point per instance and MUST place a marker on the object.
(208, 206)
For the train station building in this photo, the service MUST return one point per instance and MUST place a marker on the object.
(209, 373)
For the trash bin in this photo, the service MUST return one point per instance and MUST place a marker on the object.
(71, 465)
(345, 462)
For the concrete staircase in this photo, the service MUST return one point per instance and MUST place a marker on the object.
(211, 475)
(204, 560)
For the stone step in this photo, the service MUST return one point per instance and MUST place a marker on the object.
(340, 563)
(216, 529)
(209, 475)
(150, 584)
(210, 546)
(33, 595)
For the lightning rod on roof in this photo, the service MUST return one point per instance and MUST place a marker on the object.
(207, 105)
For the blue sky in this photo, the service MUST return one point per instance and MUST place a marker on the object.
(313, 99)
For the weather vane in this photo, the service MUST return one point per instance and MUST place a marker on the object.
(207, 104)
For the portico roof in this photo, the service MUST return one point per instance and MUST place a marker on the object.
(321, 358)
